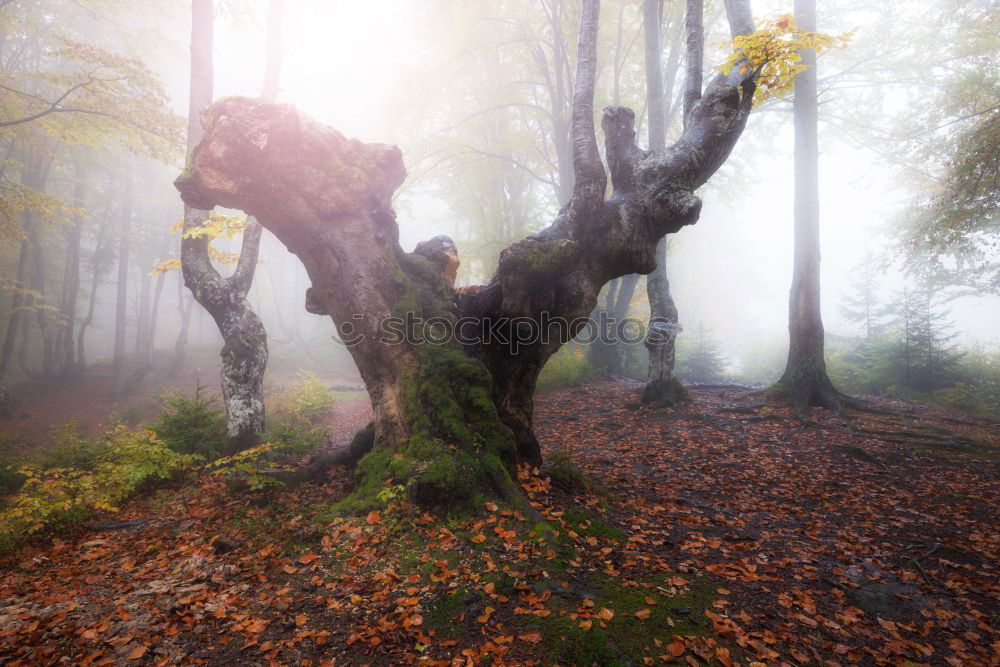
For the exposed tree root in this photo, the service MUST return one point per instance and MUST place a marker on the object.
(348, 456)
(664, 392)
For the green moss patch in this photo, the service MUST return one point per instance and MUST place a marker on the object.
(625, 639)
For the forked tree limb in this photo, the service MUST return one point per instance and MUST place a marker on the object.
(458, 414)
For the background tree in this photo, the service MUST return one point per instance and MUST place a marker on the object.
(704, 363)
(244, 352)
(69, 101)
(863, 307)
(662, 386)
(805, 378)
(922, 357)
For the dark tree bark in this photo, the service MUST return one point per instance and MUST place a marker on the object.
(452, 419)
(154, 317)
(16, 310)
(661, 386)
(244, 350)
(97, 267)
(608, 353)
(805, 379)
(71, 277)
(119, 360)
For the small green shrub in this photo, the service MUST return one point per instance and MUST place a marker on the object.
(297, 423)
(193, 424)
(54, 498)
(295, 440)
(130, 415)
(10, 480)
(567, 367)
(69, 449)
(564, 472)
(305, 404)
(259, 468)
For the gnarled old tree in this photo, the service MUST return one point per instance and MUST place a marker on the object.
(244, 352)
(452, 419)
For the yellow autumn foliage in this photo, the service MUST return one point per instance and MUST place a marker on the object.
(773, 52)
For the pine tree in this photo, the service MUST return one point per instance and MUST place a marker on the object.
(705, 363)
(925, 358)
(862, 307)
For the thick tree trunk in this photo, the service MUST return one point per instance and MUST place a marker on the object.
(661, 385)
(452, 418)
(805, 378)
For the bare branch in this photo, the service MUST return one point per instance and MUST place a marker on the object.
(654, 75)
(740, 17)
(513, 161)
(587, 165)
(694, 25)
(242, 277)
(54, 107)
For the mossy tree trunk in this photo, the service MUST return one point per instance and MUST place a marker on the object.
(452, 419)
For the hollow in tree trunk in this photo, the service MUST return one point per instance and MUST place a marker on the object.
(452, 418)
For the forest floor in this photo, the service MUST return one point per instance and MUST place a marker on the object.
(89, 403)
(721, 531)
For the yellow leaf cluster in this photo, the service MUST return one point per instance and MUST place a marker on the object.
(216, 226)
(773, 53)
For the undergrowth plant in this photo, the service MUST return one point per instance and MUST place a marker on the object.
(297, 425)
(259, 468)
(193, 424)
(121, 463)
(569, 366)
(299, 415)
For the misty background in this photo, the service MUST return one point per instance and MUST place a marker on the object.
(453, 85)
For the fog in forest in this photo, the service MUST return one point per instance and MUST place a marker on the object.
(732, 274)
(466, 121)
